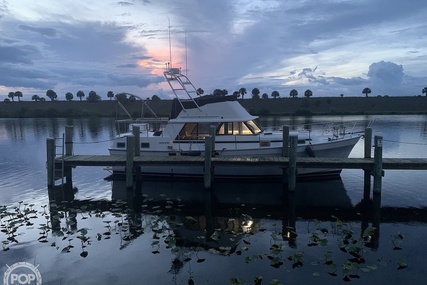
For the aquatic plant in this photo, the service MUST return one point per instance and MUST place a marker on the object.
(57, 225)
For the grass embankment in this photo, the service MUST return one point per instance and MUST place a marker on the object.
(279, 106)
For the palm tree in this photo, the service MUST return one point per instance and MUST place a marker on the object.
(275, 94)
(35, 97)
(366, 91)
(110, 94)
(69, 96)
(93, 96)
(308, 93)
(18, 94)
(242, 92)
(200, 91)
(425, 90)
(51, 94)
(217, 92)
(80, 94)
(255, 93)
(293, 93)
(11, 95)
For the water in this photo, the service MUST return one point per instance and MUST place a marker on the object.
(177, 231)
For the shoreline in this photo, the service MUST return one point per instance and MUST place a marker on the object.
(331, 106)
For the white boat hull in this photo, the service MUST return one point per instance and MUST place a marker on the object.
(337, 149)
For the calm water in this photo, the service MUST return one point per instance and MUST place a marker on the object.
(178, 231)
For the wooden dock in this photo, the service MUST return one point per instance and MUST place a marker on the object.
(280, 162)
(289, 162)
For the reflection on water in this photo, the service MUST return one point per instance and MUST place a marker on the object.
(185, 233)
(40, 129)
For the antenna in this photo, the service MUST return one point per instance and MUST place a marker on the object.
(186, 68)
(170, 47)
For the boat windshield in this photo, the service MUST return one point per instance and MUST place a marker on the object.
(254, 127)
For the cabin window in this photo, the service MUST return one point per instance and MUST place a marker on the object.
(194, 131)
(145, 145)
(121, 145)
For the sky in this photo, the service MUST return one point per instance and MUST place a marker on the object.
(331, 47)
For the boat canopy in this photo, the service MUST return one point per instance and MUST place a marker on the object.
(198, 102)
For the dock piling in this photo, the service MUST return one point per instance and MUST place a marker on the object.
(212, 132)
(50, 164)
(130, 141)
(292, 170)
(285, 140)
(366, 172)
(378, 164)
(136, 133)
(69, 130)
(208, 162)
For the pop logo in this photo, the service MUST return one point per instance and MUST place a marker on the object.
(22, 273)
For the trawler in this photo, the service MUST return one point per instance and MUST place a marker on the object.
(236, 134)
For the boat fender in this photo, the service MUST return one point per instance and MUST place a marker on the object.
(309, 150)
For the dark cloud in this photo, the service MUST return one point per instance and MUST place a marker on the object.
(18, 54)
(129, 65)
(25, 76)
(43, 31)
(124, 4)
(134, 80)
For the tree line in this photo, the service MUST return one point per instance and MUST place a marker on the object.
(255, 93)
(93, 96)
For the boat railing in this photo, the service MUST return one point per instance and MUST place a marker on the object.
(335, 130)
(147, 124)
(134, 97)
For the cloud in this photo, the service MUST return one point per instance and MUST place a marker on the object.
(72, 56)
(386, 74)
(18, 54)
(330, 47)
(49, 32)
(386, 78)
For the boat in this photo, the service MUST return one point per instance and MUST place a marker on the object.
(236, 133)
